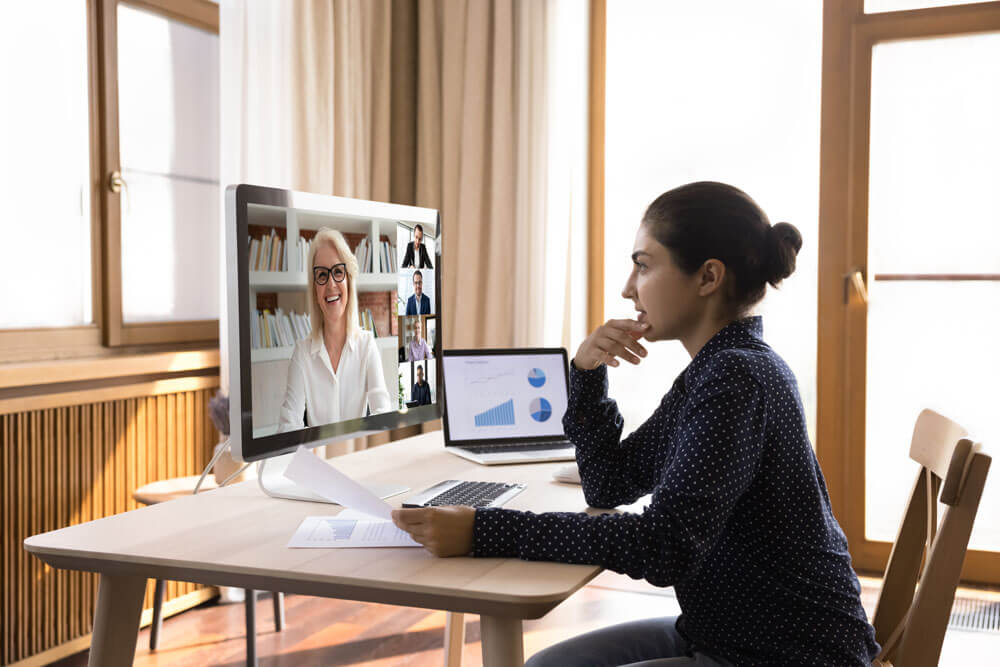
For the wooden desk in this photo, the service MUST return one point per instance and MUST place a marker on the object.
(236, 536)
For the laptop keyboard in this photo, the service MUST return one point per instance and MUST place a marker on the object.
(520, 447)
(471, 494)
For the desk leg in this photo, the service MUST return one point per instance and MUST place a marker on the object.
(454, 638)
(503, 641)
(116, 621)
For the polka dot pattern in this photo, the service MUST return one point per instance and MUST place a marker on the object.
(739, 521)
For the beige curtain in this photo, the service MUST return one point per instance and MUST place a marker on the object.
(480, 159)
(308, 96)
(343, 88)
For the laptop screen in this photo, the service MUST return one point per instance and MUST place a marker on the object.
(500, 394)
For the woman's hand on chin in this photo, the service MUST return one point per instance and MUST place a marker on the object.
(612, 340)
(444, 531)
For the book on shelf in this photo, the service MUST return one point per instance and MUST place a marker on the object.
(261, 251)
(362, 254)
(254, 331)
(367, 321)
(304, 245)
(265, 252)
(389, 257)
(272, 264)
(270, 252)
(278, 329)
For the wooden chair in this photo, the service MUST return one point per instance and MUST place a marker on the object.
(913, 607)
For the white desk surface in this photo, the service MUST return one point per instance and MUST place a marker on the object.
(237, 536)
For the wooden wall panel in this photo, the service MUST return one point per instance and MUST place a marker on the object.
(71, 464)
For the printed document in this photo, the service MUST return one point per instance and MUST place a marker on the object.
(317, 475)
(366, 520)
(346, 530)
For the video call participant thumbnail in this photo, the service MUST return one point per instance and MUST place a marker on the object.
(417, 247)
(421, 393)
(418, 303)
(335, 373)
(418, 350)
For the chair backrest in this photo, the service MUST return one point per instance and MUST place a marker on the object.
(913, 607)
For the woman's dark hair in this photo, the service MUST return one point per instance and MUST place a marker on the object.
(707, 220)
(420, 227)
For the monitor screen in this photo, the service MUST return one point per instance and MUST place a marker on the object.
(501, 394)
(333, 318)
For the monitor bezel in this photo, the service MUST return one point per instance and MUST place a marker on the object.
(244, 445)
(443, 393)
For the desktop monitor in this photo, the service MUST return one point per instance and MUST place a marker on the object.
(333, 311)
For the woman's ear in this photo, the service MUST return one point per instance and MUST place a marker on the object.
(710, 277)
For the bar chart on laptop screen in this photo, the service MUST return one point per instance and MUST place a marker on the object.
(505, 396)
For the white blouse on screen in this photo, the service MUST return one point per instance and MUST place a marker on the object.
(328, 396)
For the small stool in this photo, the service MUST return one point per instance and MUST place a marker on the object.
(169, 489)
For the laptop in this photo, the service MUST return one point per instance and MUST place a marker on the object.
(506, 405)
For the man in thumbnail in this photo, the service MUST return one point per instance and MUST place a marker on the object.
(417, 248)
(419, 303)
(421, 390)
(418, 350)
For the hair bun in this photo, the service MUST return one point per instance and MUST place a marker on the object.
(784, 243)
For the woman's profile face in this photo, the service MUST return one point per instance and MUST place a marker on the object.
(665, 297)
(331, 297)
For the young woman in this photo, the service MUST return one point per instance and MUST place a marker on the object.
(739, 522)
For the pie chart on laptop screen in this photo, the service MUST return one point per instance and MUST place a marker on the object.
(536, 377)
(541, 409)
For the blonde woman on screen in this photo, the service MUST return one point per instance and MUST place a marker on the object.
(335, 373)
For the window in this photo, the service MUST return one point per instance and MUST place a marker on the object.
(934, 259)
(168, 120)
(110, 175)
(725, 91)
(45, 169)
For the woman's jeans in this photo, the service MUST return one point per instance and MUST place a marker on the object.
(645, 643)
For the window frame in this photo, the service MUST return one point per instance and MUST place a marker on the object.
(595, 164)
(849, 35)
(200, 14)
(108, 329)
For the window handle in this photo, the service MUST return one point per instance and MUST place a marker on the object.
(117, 185)
(115, 181)
(856, 280)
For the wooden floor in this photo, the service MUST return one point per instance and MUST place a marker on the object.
(321, 631)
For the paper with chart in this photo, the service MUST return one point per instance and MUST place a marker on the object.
(365, 522)
(312, 472)
(348, 530)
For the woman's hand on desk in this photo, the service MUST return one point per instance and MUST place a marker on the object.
(444, 531)
(614, 338)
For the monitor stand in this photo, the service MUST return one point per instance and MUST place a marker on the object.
(272, 481)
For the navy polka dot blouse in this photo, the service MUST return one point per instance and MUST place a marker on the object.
(739, 522)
